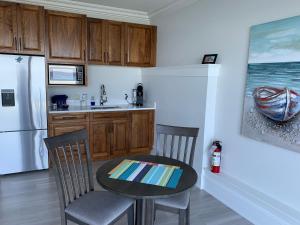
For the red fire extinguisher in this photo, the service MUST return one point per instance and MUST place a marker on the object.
(216, 157)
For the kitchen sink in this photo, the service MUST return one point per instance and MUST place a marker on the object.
(106, 107)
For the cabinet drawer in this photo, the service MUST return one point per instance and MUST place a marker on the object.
(108, 115)
(68, 117)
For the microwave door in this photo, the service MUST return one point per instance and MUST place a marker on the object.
(63, 75)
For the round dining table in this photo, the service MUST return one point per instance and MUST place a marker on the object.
(145, 194)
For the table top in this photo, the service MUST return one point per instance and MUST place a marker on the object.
(140, 190)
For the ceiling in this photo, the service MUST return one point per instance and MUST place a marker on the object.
(148, 6)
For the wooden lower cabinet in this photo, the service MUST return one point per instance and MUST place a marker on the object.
(63, 128)
(119, 138)
(141, 131)
(100, 140)
(111, 134)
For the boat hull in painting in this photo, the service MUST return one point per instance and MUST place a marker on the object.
(277, 104)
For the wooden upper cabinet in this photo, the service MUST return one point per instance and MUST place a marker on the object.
(31, 29)
(8, 28)
(114, 37)
(105, 42)
(140, 45)
(66, 36)
(96, 42)
(22, 29)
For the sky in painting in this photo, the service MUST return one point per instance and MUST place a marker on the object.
(278, 41)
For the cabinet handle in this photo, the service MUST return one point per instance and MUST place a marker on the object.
(104, 57)
(20, 42)
(15, 42)
(84, 55)
(107, 57)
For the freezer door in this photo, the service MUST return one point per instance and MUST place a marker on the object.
(23, 151)
(23, 93)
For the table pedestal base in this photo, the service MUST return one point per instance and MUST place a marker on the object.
(144, 212)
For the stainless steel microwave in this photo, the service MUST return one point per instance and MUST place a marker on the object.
(66, 74)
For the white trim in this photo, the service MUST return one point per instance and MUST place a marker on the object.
(197, 70)
(176, 5)
(255, 206)
(92, 10)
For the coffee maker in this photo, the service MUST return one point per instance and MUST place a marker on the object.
(60, 101)
(139, 94)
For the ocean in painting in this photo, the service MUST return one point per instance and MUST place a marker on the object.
(259, 127)
(286, 74)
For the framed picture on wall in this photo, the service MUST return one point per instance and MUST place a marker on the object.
(209, 59)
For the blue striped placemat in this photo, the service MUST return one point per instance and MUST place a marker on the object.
(147, 173)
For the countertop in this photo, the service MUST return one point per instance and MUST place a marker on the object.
(77, 109)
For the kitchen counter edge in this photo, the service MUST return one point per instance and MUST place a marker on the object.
(85, 110)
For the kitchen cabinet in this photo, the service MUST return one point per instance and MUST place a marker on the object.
(141, 131)
(66, 37)
(140, 45)
(105, 42)
(31, 29)
(100, 133)
(21, 29)
(62, 123)
(96, 42)
(108, 134)
(111, 134)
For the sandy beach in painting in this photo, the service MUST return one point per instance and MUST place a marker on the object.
(259, 127)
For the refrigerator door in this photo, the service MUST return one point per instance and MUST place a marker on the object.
(23, 93)
(23, 151)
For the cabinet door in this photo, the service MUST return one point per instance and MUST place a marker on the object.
(8, 28)
(140, 45)
(66, 34)
(31, 29)
(119, 141)
(100, 134)
(63, 128)
(114, 38)
(141, 131)
(96, 43)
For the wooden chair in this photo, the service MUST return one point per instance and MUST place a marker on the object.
(74, 178)
(177, 143)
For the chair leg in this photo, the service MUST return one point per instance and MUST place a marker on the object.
(63, 219)
(130, 215)
(187, 214)
(154, 213)
(182, 216)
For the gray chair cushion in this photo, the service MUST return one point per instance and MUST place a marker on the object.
(98, 207)
(179, 201)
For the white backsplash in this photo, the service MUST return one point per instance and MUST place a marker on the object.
(118, 81)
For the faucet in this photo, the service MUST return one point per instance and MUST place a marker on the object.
(103, 97)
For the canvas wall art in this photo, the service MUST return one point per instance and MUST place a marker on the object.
(272, 98)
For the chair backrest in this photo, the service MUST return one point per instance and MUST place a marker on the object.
(73, 172)
(176, 142)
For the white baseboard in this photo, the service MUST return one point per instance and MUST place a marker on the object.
(253, 205)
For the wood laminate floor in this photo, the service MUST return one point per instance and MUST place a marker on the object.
(31, 199)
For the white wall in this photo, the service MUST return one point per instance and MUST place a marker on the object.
(222, 26)
(185, 96)
(117, 80)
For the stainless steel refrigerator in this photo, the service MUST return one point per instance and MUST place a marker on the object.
(23, 114)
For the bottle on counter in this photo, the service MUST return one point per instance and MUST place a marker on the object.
(93, 103)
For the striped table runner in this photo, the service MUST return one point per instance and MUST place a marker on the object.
(147, 173)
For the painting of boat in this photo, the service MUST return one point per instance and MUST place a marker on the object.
(277, 104)
(272, 95)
